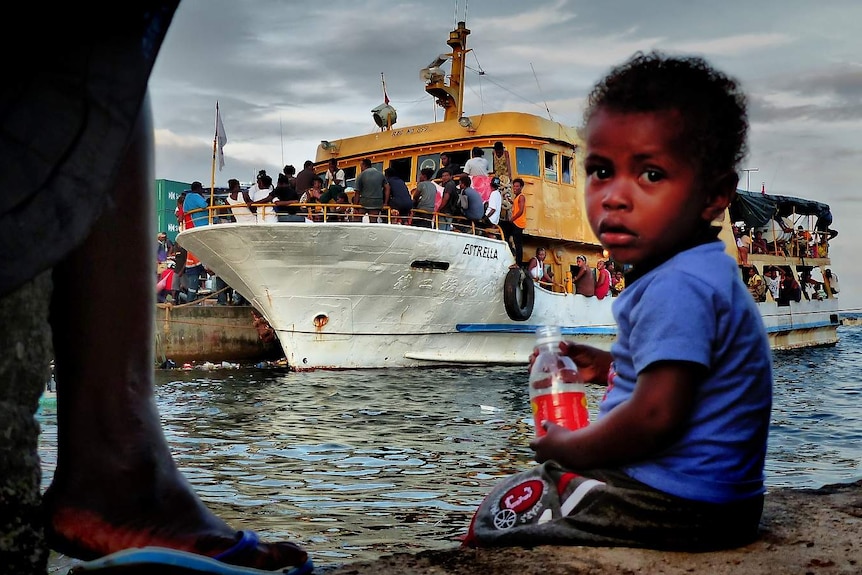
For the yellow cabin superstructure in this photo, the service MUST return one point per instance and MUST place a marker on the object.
(542, 152)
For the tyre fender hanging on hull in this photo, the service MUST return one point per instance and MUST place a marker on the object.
(519, 294)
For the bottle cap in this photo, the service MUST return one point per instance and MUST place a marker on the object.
(548, 334)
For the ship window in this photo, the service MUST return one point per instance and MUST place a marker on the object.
(349, 176)
(458, 158)
(401, 167)
(568, 165)
(489, 155)
(427, 161)
(527, 161)
(551, 166)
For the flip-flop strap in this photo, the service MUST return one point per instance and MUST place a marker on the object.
(305, 569)
(248, 540)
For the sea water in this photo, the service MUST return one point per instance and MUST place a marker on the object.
(358, 464)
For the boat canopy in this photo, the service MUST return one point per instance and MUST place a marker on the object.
(757, 209)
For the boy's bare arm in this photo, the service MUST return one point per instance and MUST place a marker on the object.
(654, 417)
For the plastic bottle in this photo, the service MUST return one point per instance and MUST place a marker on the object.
(557, 392)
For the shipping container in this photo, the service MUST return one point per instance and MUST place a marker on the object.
(167, 192)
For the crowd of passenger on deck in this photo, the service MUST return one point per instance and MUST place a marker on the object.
(599, 281)
(784, 240)
(448, 199)
(377, 196)
(777, 282)
(479, 198)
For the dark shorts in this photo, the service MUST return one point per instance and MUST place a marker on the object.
(549, 505)
(403, 209)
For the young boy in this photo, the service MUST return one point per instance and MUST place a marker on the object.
(675, 458)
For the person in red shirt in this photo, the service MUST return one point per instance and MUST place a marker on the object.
(603, 280)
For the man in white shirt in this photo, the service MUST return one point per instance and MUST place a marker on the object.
(261, 193)
(772, 281)
(492, 209)
(495, 202)
(477, 165)
(334, 175)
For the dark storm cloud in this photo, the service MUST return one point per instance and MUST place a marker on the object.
(828, 95)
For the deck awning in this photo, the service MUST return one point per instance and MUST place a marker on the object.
(757, 209)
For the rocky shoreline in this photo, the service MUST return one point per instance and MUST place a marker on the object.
(805, 531)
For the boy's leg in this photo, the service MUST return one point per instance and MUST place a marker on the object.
(116, 485)
(549, 505)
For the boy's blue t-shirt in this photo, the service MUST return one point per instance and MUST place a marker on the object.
(694, 307)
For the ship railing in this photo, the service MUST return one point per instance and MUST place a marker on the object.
(782, 239)
(339, 213)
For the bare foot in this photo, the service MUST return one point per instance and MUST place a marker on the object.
(174, 518)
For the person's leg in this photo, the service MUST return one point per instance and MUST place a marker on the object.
(25, 346)
(222, 288)
(518, 240)
(192, 282)
(179, 269)
(116, 485)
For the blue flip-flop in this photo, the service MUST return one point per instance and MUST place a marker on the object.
(166, 561)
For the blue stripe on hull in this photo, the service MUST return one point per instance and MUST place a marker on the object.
(600, 330)
(798, 326)
(528, 328)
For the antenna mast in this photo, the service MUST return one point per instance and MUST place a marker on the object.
(540, 92)
(450, 96)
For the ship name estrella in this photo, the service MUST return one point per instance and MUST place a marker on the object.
(487, 252)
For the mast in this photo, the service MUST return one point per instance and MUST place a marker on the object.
(450, 96)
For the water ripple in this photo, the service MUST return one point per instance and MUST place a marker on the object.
(357, 464)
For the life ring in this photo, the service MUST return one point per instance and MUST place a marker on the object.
(519, 294)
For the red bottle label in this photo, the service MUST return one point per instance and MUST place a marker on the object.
(568, 409)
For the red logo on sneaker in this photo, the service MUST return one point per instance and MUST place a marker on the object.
(522, 496)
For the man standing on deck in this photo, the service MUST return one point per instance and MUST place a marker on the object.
(190, 281)
(193, 201)
(449, 202)
(475, 207)
(446, 164)
(305, 177)
(372, 189)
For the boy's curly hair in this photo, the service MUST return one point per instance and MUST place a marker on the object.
(712, 105)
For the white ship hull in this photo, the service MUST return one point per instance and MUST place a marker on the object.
(354, 295)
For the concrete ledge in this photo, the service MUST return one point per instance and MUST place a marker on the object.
(803, 531)
(195, 333)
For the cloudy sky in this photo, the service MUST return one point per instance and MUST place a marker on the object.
(288, 74)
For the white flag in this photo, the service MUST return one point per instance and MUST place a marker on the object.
(221, 138)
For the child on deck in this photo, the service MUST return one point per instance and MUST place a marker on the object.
(675, 458)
